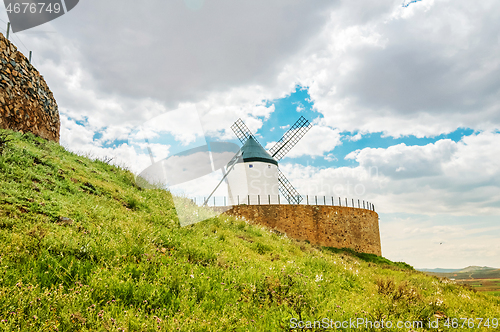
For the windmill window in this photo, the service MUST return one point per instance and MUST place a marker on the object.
(268, 166)
(250, 166)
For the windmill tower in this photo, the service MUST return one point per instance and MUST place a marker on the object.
(254, 177)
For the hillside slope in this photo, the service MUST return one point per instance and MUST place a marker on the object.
(83, 249)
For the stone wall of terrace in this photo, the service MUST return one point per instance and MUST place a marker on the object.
(26, 102)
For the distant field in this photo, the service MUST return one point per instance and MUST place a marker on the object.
(491, 286)
(487, 281)
(489, 274)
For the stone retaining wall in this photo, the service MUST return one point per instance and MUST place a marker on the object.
(26, 102)
(330, 226)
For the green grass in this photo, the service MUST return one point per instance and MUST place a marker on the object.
(372, 258)
(123, 263)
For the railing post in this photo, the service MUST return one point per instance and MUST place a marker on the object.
(238, 199)
(346, 202)
(224, 200)
(352, 202)
(359, 204)
(363, 204)
(258, 199)
(324, 200)
(307, 198)
(316, 199)
(279, 202)
(333, 204)
(8, 29)
(340, 203)
(248, 199)
(269, 199)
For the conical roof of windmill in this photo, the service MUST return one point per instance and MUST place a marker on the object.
(253, 151)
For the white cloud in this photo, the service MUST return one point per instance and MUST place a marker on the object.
(423, 70)
(169, 52)
(402, 161)
(455, 178)
(354, 138)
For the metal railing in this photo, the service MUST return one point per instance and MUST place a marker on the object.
(217, 201)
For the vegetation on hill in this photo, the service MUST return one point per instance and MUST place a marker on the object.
(82, 248)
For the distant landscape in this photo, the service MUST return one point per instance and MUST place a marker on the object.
(481, 278)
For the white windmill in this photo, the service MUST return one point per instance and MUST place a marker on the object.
(253, 176)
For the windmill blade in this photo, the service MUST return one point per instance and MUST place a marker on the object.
(230, 167)
(242, 132)
(290, 138)
(287, 190)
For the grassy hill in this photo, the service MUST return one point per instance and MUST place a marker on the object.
(84, 249)
(477, 269)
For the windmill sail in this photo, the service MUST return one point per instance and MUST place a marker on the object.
(242, 132)
(230, 166)
(290, 138)
(287, 190)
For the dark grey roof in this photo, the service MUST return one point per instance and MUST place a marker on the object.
(253, 151)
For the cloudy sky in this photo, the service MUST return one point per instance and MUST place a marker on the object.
(404, 100)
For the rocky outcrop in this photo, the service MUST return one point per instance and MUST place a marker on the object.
(26, 102)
